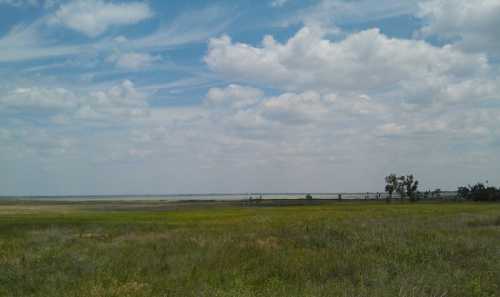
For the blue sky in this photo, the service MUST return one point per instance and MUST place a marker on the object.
(131, 97)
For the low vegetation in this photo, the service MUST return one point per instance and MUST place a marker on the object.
(479, 192)
(333, 249)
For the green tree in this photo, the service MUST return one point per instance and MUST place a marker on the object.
(410, 185)
(463, 193)
(391, 184)
(400, 188)
(479, 192)
(436, 193)
(403, 185)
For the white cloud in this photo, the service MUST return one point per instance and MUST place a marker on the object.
(195, 26)
(356, 105)
(366, 62)
(334, 12)
(276, 143)
(28, 141)
(247, 107)
(34, 41)
(133, 61)
(94, 17)
(121, 101)
(291, 108)
(38, 98)
(30, 3)
(21, 35)
(28, 42)
(364, 98)
(278, 3)
(19, 3)
(118, 102)
(391, 129)
(234, 96)
(473, 25)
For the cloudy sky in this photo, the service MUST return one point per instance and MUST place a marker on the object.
(131, 97)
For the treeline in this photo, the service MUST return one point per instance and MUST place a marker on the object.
(479, 192)
(407, 187)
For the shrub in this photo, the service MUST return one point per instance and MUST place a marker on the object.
(479, 192)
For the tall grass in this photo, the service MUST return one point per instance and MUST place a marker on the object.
(344, 249)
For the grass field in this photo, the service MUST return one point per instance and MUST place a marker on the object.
(226, 249)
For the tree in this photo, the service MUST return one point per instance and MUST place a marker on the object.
(436, 193)
(411, 185)
(391, 184)
(479, 192)
(403, 185)
(463, 193)
(309, 197)
(400, 188)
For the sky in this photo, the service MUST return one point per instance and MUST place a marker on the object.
(164, 97)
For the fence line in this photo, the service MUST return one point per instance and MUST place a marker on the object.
(444, 195)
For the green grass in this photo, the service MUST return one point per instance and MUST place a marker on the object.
(338, 249)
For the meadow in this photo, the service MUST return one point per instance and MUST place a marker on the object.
(162, 249)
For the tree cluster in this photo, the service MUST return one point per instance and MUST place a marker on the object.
(479, 192)
(405, 186)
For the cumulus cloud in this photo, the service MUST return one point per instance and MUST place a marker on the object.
(94, 17)
(117, 102)
(473, 25)
(292, 108)
(234, 96)
(363, 91)
(247, 107)
(364, 62)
